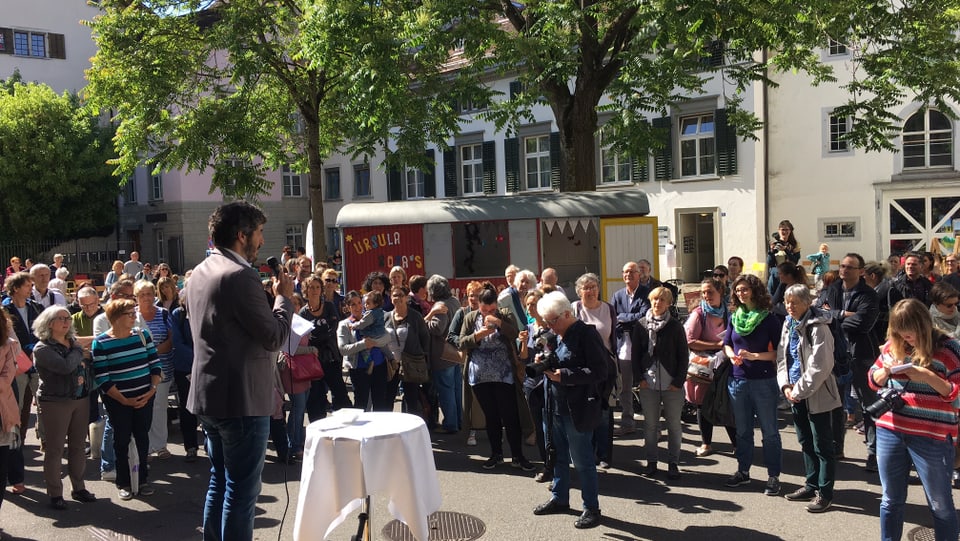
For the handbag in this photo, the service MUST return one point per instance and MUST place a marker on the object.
(701, 367)
(414, 368)
(304, 367)
(24, 364)
(451, 354)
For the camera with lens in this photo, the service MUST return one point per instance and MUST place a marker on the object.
(888, 399)
(544, 347)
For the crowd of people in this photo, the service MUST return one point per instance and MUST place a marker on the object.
(868, 346)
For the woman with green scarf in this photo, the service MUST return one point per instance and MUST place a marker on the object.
(752, 346)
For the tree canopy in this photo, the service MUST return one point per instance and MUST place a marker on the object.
(54, 176)
(264, 84)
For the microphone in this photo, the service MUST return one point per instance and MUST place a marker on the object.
(274, 265)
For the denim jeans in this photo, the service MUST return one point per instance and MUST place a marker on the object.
(933, 460)
(756, 398)
(672, 403)
(815, 435)
(295, 430)
(236, 447)
(448, 384)
(577, 447)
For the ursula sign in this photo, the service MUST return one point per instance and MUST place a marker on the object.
(380, 248)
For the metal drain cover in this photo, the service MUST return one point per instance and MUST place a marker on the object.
(921, 534)
(444, 526)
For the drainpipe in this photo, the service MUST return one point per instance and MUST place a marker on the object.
(765, 107)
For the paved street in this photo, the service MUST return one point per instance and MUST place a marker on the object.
(698, 507)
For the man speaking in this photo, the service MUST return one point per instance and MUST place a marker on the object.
(231, 392)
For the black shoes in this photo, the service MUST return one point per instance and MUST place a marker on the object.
(802, 494)
(523, 464)
(673, 472)
(492, 462)
(589, 519)
(551, 507)
(649, 470)
(58, 503)
(83, 496)
(871, 465)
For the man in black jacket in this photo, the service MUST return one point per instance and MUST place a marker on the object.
(912, 284)
(575, 390)
(855, 304)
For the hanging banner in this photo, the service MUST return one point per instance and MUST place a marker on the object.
(380, 248)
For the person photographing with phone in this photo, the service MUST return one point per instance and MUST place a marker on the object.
(918, 379)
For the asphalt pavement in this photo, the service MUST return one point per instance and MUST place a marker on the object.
(697, 507)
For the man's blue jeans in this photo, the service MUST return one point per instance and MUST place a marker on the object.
(236, 447)
(577, 447)
(448, 384)
(756, 398)
(933, 460)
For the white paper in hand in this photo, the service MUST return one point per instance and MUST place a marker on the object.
(299, 327)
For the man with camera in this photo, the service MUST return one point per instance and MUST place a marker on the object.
(575, 391)
(855, 304)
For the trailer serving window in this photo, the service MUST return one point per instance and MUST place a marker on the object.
(480, 249)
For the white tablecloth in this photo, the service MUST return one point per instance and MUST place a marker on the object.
(378, 454)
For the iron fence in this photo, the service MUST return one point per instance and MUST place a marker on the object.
(89, 256)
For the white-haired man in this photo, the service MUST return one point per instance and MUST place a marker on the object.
(575, 390)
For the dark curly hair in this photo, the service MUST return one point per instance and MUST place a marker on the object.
(759, 293)
(374, 276)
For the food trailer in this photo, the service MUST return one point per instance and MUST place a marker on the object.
(475, 238)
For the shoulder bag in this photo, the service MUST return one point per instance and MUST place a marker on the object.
(413, 367)
(304, 367)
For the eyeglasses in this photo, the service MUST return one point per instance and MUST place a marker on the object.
(62, 319)
(849, 267)
(951, 304)
(331, 280)
(551, 322)
(129, 314)
(89, 304)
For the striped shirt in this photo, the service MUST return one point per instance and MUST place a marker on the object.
(125, 363)
(925, 412)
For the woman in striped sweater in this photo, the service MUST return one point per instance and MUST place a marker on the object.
(127, 372)
(923, 365)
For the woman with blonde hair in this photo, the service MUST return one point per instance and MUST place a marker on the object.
(918, 378)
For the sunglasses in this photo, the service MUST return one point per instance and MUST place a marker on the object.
(331, 280)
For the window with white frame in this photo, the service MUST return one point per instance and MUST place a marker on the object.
(471, 167)
(839, 228)
(130, 191)
(613, 167)
(160, 248)
(536, 155)
(292, 182)
(927, 140)
(294, 235)
(697, 146)
(836, 48)
(331, 179)
(415, 184)
(361, 181)
(839, 127)
(156, 187)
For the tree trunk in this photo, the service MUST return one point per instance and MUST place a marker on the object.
(315, 174)
(578, 126)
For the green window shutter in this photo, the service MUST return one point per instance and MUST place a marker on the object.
(430, 175)
(489, 150)
(6, 35)
(511, 155)
(450, 173)
(556, 155)
(641, 168)
(394, 185)
(663, 158)
(516, 87)
(57, 46)
(726, 140)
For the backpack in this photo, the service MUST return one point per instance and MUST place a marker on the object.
(842, 361)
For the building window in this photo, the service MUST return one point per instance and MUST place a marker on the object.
(697, 147)
(130, 191)
(536, 153)
(160, 251)
(836, 48)
(845, 228)
(839, 127)
(21, 43)
(927, 140)
(361, 181)
(471, 167)
(294, 236)
(415, 184)
(156, 187)
(613, 167)
(292, 182)
(29, 44)
(331, 178)
(3, 42)
(333, 239)
(38, 45)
